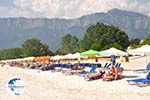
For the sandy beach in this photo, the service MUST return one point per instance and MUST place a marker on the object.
(55, 86)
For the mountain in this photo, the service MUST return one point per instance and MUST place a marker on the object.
(14, 31)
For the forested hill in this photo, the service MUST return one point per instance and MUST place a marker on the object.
(13, 31)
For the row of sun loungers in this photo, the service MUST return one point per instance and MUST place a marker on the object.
(89, 71)
(63, 66)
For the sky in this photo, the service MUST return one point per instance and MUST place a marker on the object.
(67, 8)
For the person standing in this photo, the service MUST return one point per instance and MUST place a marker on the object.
(113, 59)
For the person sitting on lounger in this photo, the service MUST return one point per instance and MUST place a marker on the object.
(111, 74)
(75, 67)
(94, 76)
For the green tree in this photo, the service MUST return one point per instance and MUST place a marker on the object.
(65, 43)
(74, 44)
(100, 37)
(134, 41)
(34, 47)
(11, 53)
(95, 46)
(69, 44)
(138, 43)
(146, 41)
(59, 52)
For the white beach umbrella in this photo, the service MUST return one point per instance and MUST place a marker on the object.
(76, 56)
(112, 51)
(28, 58)
(144, 50)
(57, 57)
(19, 59)
(68, 56)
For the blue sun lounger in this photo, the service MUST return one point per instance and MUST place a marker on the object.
(140, 81)
(32, 66)
(107, 65)
(93, 69)
(118, 65)
(143, 70)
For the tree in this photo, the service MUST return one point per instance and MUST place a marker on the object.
(95, 46)
(69, 44)
(134, 41)
(74, 44)
(100, 37)
(146, 41)
(34, 47)
(59, 52)
(92, 35)
(65, 43)
(11, 53)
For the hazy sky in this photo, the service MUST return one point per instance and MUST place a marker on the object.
(68, 8)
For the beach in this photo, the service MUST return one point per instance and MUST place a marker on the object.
(47, 85)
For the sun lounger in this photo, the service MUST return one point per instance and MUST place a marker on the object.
(106, 66)
(32, 66)
(118, 65)
(140, 81)
(94, 76)
(74, 70)
(143, 70)
(67, 67)
(113, 74)
(58, 67)
(92, 70)
(98, 74)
